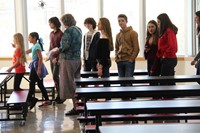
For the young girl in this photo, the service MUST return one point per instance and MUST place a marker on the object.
(104, 46)
(19, 60)
(37, 70)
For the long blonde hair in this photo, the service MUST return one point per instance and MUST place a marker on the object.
(108, 32)
(20, 42)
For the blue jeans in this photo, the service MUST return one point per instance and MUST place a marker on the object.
(126, 69)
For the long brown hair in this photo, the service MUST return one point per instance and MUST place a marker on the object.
(107, 29)
(165, 23)
(20, 42)
(155, 37)
(198, 15)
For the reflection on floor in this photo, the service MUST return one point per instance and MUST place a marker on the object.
(50, 119)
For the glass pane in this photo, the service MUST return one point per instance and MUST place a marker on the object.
(82, 9)
(198, 5)
(111, 10)
(38, 18)
(7, 26)
(177, 13)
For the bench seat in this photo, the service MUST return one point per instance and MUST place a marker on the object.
(18, 98)
(141, 117)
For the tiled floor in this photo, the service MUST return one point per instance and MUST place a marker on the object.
(50, 119)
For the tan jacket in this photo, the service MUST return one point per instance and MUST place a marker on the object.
(126, 45)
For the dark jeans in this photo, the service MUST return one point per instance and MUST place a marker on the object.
(90, 65)
(106, 72)
(33, 79)
(198, 69)
(55, 73)
(151, 63)
(17, 81)
(126, 69)
(167, 69)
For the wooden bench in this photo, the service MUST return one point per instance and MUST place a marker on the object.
(152, 128)
(141, 117)
(86, 74)
(143, 107)
(137, 92)
(136, 79)
(18, 98)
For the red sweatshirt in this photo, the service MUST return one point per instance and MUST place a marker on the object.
(167, 45)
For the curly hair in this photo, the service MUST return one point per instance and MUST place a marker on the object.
(91, 21)
(68, 20)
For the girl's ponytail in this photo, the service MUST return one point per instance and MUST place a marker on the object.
(40, 41)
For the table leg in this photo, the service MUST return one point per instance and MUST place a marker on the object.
(98, 123)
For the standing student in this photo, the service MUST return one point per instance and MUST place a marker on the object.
(151, 48)
(37, 70)
(19, 60)
(167, 46)
(126, 48)
(196, 59)
(89, 45)
(55, 38)
(104, 46)
(69, 60)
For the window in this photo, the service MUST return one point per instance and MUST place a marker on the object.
(130, 10)
(197, 5)
(7, 26)
(82, 9)
(38, 18)
(178, 15)
(138, 13)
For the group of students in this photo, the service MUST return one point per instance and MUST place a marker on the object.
(160, 48)
(160, 52)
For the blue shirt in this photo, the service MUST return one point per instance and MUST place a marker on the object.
(34, 49)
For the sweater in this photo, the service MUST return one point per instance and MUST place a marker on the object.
(167, 45)
(126, 45)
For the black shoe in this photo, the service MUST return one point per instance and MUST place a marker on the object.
(33, 103)
(59, 101)
(72, 112)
